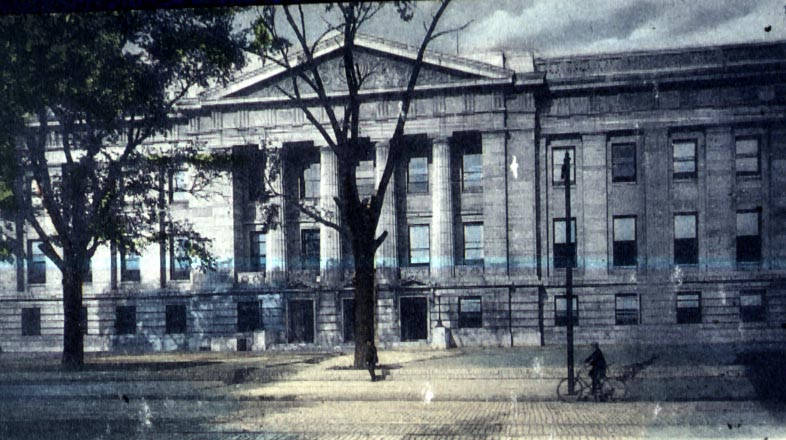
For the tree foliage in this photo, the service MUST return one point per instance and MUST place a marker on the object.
(88, 93)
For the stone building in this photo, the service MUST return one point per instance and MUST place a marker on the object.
(678, 218)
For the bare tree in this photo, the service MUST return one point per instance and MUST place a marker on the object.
(307, 87)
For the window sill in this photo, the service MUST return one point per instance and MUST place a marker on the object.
(624, 182)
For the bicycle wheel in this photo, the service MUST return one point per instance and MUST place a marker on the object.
(562, 391)
(613, 390)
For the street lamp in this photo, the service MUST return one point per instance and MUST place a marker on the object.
(568, 273)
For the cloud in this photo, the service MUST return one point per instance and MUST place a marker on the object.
(553, 27)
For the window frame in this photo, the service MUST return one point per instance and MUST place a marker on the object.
(309, 261)
(257, 254)
(753, 313)
(125, 320)
(756, 240)
(626, 315)
(616, 146)
(174, 323)
(307, 183)
(683, 241)
(417, 186)
(688, 315)
(619, 246)
(177, 273)
(574, 243)
(685, 175)
(427, 248)
(130, 275)
(741, 157)
(470, 319)
(557, 180)
(31, 328)
(471, 177)
(561, 315)
(36, 259)
(478, 245)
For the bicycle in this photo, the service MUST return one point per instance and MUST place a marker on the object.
(611, 389)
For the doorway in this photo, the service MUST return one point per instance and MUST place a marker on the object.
(413, 318)
(301, 321)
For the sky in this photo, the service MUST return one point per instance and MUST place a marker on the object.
(570, 27)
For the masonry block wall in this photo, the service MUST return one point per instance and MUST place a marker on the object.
(677, 164)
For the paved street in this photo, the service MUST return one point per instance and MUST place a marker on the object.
(423, 395)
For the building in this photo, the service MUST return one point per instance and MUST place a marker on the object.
(678, 160)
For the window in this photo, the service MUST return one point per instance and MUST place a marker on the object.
(419, 242)
(564, 251)
(125, 320)
(89, 273)
(684, 155)
(178, 185)
(470, 312)
(364, 177)
(309, 181)
(36, 267)
(248, 318)
(472, 164)
(686, 245)
(557, 159)
(752, 305)
(623, 162)
(688, 308)
(180, 261)
(626, 309)
(625, 252)
(469, 103)
(747, 156)
(31, 321)
(473, 243)
(417, 175)
(258, 251)
(129, 266)
(309, 256)
(749, 236)
(561, 311)
(175, 319)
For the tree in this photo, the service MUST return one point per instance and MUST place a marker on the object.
(359, 218)
(101, 85)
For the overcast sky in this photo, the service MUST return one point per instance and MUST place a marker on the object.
(562, 27)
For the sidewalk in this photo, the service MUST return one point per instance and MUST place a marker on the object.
(652, 373)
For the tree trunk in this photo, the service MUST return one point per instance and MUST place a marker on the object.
(73, 339)
(365, 297)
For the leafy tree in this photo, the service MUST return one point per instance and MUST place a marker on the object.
(285, 41)
(94, 90)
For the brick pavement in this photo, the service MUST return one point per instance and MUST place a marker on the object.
(303, 396)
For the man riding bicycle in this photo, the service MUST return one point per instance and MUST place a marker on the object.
(598, 367)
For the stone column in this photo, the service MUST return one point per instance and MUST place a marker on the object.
(276, 245)
(386, 258)
(329, 239)
(441, 248)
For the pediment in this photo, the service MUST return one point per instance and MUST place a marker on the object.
(387, 67)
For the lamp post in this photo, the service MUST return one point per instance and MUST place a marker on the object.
(568, 272)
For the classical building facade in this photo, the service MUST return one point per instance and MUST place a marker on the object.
(678, 161)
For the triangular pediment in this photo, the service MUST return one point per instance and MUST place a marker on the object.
(387, 66)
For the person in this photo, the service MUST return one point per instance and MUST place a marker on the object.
(371, 359)
(598, 367)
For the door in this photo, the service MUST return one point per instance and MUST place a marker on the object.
(413, 318)
(301, 321)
